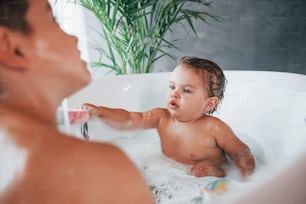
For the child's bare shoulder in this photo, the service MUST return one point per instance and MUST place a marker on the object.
(212, 120)
(216, 125)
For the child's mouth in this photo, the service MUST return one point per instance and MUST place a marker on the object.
(173, 105)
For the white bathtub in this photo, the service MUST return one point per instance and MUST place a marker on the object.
(266, 109)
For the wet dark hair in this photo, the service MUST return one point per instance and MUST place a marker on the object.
(211, 73)
(12, 15)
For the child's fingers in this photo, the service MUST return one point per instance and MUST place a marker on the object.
(81, 107)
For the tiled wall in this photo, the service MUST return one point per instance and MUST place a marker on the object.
(254, 35)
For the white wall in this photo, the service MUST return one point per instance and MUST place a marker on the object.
(70, 16)
(76, 20)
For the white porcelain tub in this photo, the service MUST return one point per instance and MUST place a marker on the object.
(266, 109)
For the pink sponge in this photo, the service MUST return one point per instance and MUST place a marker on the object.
(77, 116)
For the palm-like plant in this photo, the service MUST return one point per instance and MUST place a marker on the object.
(135, 30)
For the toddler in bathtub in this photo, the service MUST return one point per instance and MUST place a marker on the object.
(188, 132)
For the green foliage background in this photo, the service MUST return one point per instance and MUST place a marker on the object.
(135, 30)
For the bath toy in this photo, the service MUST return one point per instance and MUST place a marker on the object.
(77, 116)
(218, 186)
(80, 116)
(213, 190)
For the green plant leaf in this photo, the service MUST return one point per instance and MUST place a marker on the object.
(134, 30)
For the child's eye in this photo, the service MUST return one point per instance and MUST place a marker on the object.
(187, 90)
(172, 87)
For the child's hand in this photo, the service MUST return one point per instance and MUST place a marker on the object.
(246, 162)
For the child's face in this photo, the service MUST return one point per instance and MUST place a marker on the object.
(187, 98)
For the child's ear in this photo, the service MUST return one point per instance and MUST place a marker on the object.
(211, 104)
(10, 54)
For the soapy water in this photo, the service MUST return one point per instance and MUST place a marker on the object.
(275, 134)
(170, 181)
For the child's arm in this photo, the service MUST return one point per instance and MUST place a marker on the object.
(245, 161)
(122, 119)
(238, 151)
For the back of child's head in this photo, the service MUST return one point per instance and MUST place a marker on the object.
(212, 74)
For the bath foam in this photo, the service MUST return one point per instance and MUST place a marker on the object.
(12, 161)
(170, 181)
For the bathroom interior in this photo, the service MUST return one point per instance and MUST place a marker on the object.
(261, 46)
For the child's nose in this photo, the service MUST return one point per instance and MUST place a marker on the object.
(175, 93)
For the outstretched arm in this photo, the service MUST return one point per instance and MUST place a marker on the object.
(119, 118)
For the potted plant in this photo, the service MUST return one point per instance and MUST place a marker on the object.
(135, 30)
